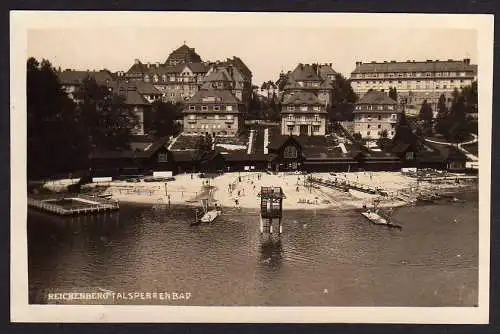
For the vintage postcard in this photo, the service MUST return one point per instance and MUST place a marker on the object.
(250, 167)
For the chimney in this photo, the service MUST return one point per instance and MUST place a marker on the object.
(467, 61)
(429, 60)
(393, 61)
(157, 64)
(149, 65)
(373, 62)
(359, 63)
(136, 61)
(408, 61)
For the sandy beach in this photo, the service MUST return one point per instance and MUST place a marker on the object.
(241, 190)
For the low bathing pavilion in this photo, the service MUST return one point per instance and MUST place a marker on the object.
(271, 207)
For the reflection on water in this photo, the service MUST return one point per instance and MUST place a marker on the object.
(324, 258)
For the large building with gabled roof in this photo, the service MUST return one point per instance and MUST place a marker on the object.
(214, 112)
(303, 114)
(315, 78)
(375, 113)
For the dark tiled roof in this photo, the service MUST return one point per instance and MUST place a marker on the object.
(197, 67)
(147, 88)
(131, 95)
(326, 70)
(152, 148)
(184, 53)
(76, 77)
(185, 156)
(224, 96)
(305, 72)
(420, 66)
(376, 97)
(217, 75)
(301, 98)
(448, 152)
(239, 64)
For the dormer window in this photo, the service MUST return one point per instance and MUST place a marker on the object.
(192, 107)
(291, 108)
(303, 108)
(216, 108)
(204, 108)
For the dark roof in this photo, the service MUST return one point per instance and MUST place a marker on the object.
(305, 72)
(147, 88)
(400, 148)
(222, 96)
(376, 97)
(184, 156)
(239, 64)
(197, 67)
(447, 152)
(70, 77)
(129, 91)
(184, 53)
(301, 98)
(217, 75)
(420, 66)
(131, 153)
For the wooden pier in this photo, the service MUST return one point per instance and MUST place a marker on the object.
(345, 185)
(92, 205)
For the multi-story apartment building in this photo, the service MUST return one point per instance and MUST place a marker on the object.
(303, 114)
(230, 75)
(183, 73)
(316, 78)
(213, 111)
(374, 113)
(415, 81)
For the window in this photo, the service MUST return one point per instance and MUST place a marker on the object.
(392, 133)
(290, 128)
(379, 126)
(229, 108)
(162, 157)
(164, 78)
(315, 128)
(358, 107)
(204, 108)
(216, 108)
(303, 118)
(316, 108)
(394, 116)
(192, 117)
(369, 107)
(229, 126)
(192, 107)
(368, 126)
(146, 78)
(380, 107)
(290, 108)
(316, 118)
(379, 117)
(290, 117)
(409, 156)
(192, 126)
(367, 133)
(390, 107)
(290, 152)
(216, 116)
(155, 78)
(303, 108)
(218, 126)
(230, 117)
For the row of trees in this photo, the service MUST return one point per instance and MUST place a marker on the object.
(62, 133)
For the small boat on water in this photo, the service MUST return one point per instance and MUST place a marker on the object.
(375, 218)
(208, 215)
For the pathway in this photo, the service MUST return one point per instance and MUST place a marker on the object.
(469, 155)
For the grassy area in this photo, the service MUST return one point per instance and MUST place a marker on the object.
(472, 148)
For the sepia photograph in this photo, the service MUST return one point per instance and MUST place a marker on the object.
(263, 167)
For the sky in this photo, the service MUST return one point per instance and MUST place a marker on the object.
(266, 50)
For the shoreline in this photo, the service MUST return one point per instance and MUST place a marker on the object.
(240, 190)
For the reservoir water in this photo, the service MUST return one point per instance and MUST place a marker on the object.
(325, 257)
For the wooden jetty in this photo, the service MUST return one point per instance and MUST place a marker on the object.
(345, 185)
(91, 205)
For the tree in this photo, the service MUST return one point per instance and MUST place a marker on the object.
(426, 116)
(51, 122)
(393, 94)
(107, 122)
(357, 137)
(343, 99)
(164, 116)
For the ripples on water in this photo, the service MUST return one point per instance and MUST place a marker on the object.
(325, 258)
